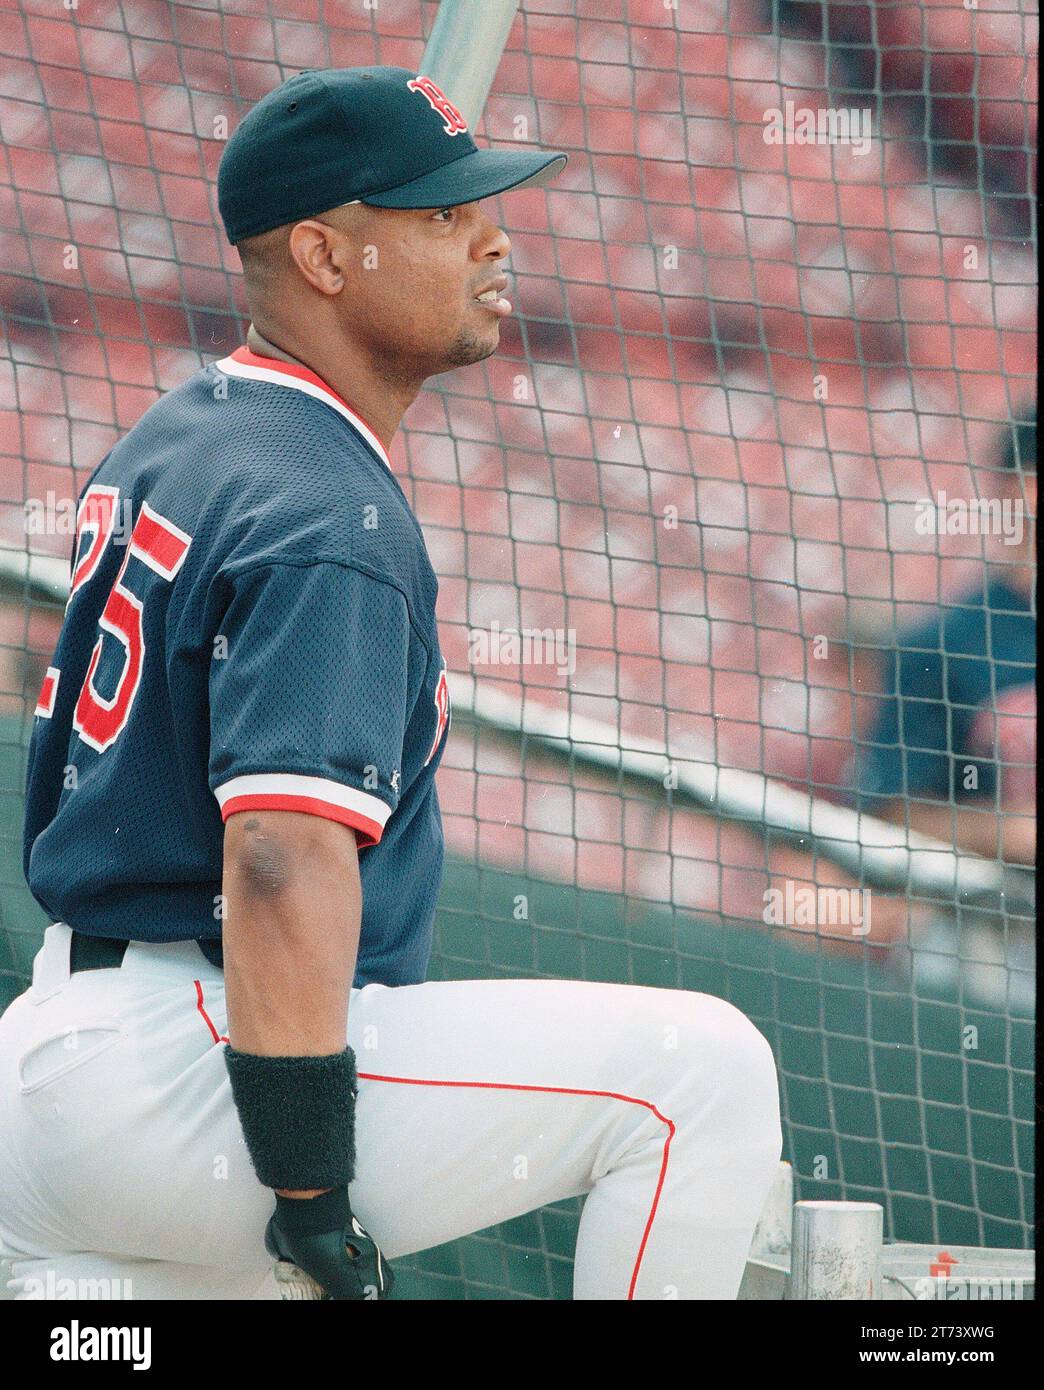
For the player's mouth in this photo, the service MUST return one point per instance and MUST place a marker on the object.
(491, 297)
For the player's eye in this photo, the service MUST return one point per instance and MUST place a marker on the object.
(443, 212)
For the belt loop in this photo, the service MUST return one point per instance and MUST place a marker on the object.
(51, 965)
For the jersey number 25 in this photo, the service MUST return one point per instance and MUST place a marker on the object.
(160, 545)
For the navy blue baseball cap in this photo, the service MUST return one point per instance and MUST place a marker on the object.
(385, 136)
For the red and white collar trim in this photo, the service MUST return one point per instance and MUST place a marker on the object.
(252, 367)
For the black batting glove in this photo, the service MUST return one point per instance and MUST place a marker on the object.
(322, 1236)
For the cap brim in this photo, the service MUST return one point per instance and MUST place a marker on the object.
(481, 174)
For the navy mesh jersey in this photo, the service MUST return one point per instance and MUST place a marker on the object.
(251, 624)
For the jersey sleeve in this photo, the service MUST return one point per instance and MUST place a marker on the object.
(309, 685)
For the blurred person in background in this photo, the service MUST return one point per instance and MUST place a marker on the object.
(951, 749)
(951, 752)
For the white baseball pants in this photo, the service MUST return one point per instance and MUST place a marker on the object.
(123, 1166)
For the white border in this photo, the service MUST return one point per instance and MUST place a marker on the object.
(294, 784)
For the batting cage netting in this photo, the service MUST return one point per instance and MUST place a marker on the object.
(734, 533)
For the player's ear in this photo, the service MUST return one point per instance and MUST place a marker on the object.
(318, 251)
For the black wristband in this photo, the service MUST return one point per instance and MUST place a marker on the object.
(298, 1116)
(312, 1216)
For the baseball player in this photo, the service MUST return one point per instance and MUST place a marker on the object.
(228, 1062)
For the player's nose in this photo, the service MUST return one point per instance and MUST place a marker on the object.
(492, 242)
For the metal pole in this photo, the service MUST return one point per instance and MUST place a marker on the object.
(464, 50)
(772, 1233)
(836, 1251)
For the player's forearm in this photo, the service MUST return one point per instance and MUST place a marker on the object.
(293, 905)
(293, 910)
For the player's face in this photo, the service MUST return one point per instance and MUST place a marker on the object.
(416, 298)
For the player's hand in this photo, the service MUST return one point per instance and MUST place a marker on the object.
(322, 1236)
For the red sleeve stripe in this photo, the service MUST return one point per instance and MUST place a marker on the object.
(313, 796)
(368, 831)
